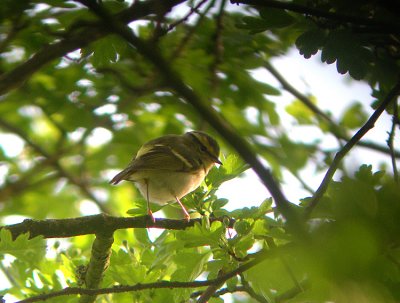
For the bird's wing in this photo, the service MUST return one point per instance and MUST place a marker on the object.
(162, 157)
(159, 156)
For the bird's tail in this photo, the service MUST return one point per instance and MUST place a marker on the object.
(120, 176)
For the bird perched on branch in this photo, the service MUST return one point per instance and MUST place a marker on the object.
(169, 167)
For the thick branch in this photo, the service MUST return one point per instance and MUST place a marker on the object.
(95, 224)
(99, 262)
(349, 145)
(310, 11)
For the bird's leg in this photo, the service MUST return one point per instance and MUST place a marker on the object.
(187, 216)
(149, 212)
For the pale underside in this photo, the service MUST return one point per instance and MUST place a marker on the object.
(166, 186)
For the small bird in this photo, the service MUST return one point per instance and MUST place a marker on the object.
(169, 167)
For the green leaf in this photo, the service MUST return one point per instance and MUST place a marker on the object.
(199, 235)
(301, 112)
(242, 245)
(232, 166)
(295, 155)
(265, 281)
(276, 18)
(310, 42)
(104, 52)
(253, 24)
(354, 116)
(242, 227)
(337, 47)
(31, 251)
(189, 265)
(268, 89)
(140, 208)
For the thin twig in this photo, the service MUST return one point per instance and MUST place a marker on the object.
(178, 50)
(287, 295)
(218, 46)
(390, 141)
(55, 163)
(288, 87)
(79, 35)
(271, 244)
(252, 293)
(15, 27)
(302, 182)
(334, 127)
(193, 10)
(220, 292)
(349, 145)
(292, 292)
(210, 291)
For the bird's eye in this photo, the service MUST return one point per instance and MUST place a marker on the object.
(203, 148)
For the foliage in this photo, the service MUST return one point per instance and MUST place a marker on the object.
(78, 98)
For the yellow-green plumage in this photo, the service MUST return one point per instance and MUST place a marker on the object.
(170, 167)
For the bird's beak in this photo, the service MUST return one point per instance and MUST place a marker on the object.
(216, 160)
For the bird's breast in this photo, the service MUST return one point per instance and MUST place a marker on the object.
(165, 186)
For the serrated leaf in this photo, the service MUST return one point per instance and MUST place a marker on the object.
(232, 166)
(31, 251)
(310, 42)
(337, 47)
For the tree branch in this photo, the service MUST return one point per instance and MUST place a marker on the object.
(252, 293)
(78, 36)
(310, 11)
(95, 224)
(185, 40)
(193, 10)
(218, 46)
(390, 140)
(99, 262)
(283, 297)
(224, 128)
(210, 291)
(288, 87)
(294, 291)
(335, 129)
(53, 160)
(349, 145)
